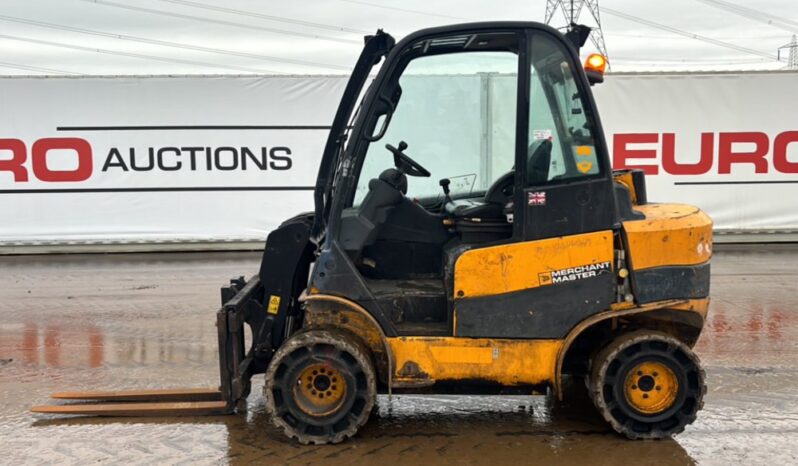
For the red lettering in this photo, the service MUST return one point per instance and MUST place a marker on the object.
(726, 157)
(39, 159)
(18, 156)
(780, 152)
(670, 165)
(621, 153)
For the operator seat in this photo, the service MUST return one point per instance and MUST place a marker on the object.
(359, 225)
(538, 162)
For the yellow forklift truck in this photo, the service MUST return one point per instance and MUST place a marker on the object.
(469, 236)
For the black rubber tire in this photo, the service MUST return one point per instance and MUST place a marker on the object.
(349, 357)
(611, 365)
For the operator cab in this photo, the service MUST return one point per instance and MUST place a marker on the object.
(466, 139)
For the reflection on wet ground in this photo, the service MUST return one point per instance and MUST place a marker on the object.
(146, 321)
(431, 430)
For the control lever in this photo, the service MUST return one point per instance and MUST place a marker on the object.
(445, 182)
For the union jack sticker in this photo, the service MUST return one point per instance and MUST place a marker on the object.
(537, 198)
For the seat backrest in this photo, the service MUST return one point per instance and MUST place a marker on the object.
(381, 194)
(538, 162)
(360, 225)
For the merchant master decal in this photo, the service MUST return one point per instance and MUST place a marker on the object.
(571, 274)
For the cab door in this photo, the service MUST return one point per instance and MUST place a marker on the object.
(559, 268)
(567, 181)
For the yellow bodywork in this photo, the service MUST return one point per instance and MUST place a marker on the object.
(421, 361)
(520, 266)
(671, 234)
(626, 179)
(502, 361)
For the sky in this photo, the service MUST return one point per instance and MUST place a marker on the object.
(129, 37)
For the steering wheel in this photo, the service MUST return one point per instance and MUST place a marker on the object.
(404, 163)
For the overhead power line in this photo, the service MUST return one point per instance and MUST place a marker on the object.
(726, 61)
(619, 14)
(756, 15)
(407, 10)
(680, 32)
(164, 43)
(223, 22)
(253, 14)
(40, 69)
(655, 36)
(136, 55)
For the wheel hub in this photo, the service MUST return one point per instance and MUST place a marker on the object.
(651, 387)
(646, 383)
(322, 383)
(319, 390)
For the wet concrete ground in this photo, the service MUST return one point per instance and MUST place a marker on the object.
(147, 321)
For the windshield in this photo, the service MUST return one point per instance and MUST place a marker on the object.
(376, 46)
(342, 161)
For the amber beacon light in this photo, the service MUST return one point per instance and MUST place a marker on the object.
(596, 62)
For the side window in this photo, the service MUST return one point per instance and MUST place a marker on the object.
(457, 115)
(561, 144)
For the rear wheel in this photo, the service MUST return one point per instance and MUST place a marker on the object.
(647, 384)
(320, 387)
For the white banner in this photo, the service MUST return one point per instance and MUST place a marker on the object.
(159, 159)
(155, 159)
(727, 143)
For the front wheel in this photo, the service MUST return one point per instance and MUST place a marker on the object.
(320, 386)
(647, 384)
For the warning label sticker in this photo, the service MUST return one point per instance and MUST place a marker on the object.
(274, 304)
